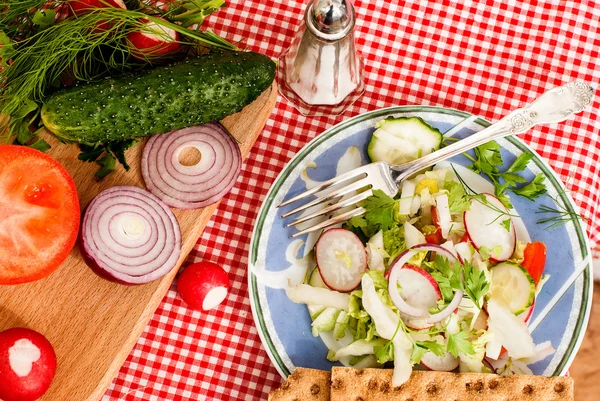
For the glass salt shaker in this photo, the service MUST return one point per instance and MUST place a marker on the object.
(321, 73)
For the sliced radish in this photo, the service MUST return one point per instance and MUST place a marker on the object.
(27, 364)
(446, 363)
(419, 290)
(341, 259)
(203, 285)
(449, 246)
(153, 40)
(510, 331)
(306, 294)
(412, 236)
(484, 224)
(443, 213)
(464, 251)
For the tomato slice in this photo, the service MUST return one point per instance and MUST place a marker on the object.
(534, 260)
(39, 214)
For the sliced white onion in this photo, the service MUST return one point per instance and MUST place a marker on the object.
(376, 253)
(197, 186)
(406, 199)
(386, 321)
(128, 235)
(412, 236)
(542, 351)
(438, 317)
(306, 294)
(443, 211)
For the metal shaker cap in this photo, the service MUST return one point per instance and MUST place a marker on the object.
(330, 19)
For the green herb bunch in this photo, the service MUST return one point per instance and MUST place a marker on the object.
(43, 47)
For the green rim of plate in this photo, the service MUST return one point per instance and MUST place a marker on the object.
(585, 305)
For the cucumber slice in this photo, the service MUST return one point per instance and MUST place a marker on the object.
(403, 139)
(512, 286)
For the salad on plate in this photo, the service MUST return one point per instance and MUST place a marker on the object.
(442, 276)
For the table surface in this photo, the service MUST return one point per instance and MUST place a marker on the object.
(485, 59)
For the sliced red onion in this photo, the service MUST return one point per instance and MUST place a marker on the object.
(397, 299)
(197, 186)
(438, 317)
(440, 250)
(130, 236)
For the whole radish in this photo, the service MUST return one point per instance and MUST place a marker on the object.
(153, 41)
(27, 364)
(203, 285)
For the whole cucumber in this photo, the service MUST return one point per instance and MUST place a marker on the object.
(183, 94)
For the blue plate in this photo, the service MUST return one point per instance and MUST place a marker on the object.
(285, 327)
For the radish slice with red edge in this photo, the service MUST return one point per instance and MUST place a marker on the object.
(395, 296)
(484, 224)
(199, 185)
(129, 236)
(27, 364)
(203, 285)
(341, 258)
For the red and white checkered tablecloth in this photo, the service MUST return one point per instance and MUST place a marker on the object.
(485, 59)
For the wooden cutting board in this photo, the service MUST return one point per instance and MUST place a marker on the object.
(92, 323)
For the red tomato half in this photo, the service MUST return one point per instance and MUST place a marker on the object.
(39, 214)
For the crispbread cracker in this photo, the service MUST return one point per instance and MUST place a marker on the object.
(349, 384)
(304, 385)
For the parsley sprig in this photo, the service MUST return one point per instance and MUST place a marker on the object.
(456, 276)
(488, 161)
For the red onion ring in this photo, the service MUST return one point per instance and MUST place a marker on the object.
(197, 186)
(448, 310)
(397, 299)
(440, 250)
(130, 236)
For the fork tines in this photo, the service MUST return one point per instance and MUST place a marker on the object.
(332, 200)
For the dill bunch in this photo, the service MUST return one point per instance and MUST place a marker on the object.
(42, 50)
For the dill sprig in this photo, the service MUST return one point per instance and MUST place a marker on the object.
(557, 216)
(76, 46)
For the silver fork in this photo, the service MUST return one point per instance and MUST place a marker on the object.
(556, 105)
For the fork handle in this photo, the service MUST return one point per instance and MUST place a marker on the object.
(556, 105)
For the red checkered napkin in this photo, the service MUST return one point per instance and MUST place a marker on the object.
(485, 59)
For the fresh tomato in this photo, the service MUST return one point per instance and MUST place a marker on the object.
(39, 214)
(436, 237)
(535, 259)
